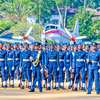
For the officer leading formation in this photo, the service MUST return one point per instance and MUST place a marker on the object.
(50, 66)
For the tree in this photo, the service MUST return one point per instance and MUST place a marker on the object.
(87, 26)
(18, 7)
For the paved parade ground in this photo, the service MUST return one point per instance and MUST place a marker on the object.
(19, 94)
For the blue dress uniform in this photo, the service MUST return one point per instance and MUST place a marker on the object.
(73, 66)
(17, 64)
(11, 65)
(93, 60)
(52, 63)
(26, 65)
(87, 64)
(62, 64)
(43, 74)
(80, 68)
(3, 66)
(38, 69)
(68, 66)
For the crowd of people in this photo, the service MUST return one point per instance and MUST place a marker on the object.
(50, 66)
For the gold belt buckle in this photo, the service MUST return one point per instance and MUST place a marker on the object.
(79, 60)
(0, 59)
(93, 61)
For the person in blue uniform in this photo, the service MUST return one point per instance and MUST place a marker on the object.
(44, 78)
(10, 64)
(38, 61)
(80, 67)
(68, 57)
(62, 64)
(3, 64)
(87, 50)
(94, 61)
(52, 63)
(32, 48)
(26, 65)
(17, 62)
(74, 65)
(72, 47)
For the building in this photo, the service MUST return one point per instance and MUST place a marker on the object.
(55, 18)
(95, 11)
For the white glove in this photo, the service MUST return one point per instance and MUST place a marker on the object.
(5, 67)
(41, 70)
(70, 68)
(12, 68)
(31, 68)
(58, 69)
(85, 69)
(73, 70)
(99, 70)
(64, 69)
(31, 58)
(20, 69)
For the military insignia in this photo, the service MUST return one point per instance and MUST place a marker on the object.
(36, 43)
(93, 43)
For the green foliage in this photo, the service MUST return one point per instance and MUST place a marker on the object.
(87, 26)
(5, 24)
(22, 27)
(14, 12)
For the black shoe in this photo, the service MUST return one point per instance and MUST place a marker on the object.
(84, 89)
(43, 86)
(97, 92)
(48, 88)
(29, 87)
(22, 87)
(81, 88)
(57, 88)
(69, 87)
(62, 87)
(32, 90)
(12, 86)
(5, 86)
(75, 89)
(19, 85)
(88, 92)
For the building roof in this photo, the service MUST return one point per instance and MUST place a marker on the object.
(98, 8)
(69, 11)
(96, 13)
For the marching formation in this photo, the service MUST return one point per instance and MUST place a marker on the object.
(50, 66)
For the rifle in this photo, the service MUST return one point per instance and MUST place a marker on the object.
(20, 79)
(53, 80)
(80, 82)
(9, 78)
(46, 76)
(1, 79)
(73, 79)
(26, 83)
(86, 80)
